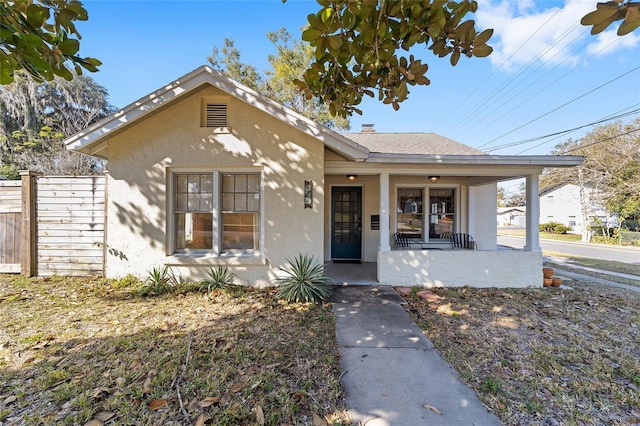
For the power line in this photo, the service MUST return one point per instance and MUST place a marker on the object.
(602, 140)
(562, 106)
(616, 116)
(450, 113)
(550, 84)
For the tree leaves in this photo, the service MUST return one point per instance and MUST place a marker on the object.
(356, 48)
(607, 13)
(39, 45)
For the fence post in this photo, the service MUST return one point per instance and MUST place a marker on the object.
(28, 249)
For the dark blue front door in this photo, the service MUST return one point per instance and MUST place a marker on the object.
(346, 223)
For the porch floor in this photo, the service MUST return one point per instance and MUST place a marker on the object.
(351, 273)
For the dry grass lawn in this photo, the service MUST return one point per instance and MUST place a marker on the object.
(79, 351)
(542, 356)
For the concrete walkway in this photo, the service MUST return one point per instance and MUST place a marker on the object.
(393, 375)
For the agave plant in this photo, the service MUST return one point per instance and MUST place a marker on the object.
(304, 281)
(220, 278)
(159, 280)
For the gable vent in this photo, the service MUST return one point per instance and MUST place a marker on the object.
(216, 115)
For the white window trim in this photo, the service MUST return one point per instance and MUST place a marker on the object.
(425, 195)
(205, 255)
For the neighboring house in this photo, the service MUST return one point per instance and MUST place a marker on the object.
(564, 203)
(512, 216)
(206, 172)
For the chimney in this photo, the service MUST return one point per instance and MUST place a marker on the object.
(367, 128)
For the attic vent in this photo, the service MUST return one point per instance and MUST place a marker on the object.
(216, 115)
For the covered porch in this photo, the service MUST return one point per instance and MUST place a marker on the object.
(372, 211)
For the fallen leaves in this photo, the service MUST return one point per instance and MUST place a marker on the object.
(157, 404)
(122, 354)
(538, 356)
(432, 408)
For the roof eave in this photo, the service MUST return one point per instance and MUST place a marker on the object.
(506, 160)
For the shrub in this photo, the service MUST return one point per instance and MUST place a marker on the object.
(128, 281)
(219, 278)
(159, 281)
(304, 281)
(554, 228)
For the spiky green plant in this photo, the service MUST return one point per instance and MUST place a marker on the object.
(219, 278)
(159, 280)
(304, 281)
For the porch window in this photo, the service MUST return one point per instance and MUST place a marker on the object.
(196, 207)
(410, 217)
(442, 213)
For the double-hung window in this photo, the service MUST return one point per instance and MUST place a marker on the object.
(217, 212)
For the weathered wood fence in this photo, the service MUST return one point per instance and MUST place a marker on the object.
(59, 228)
(10, 225)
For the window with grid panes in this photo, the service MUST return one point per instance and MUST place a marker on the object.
(442, 212)
(194, 207)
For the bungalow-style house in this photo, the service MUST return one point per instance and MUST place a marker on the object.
(206, 172)
(574, 207)
(512, 216)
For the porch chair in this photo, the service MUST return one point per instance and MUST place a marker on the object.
(463, 241)
(403, 241)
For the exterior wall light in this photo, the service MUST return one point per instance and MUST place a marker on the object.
(434, 178)
(351, 178)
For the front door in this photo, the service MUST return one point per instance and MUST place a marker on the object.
(346, 223)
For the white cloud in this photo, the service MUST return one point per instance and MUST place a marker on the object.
(524, 32)
(609, 42)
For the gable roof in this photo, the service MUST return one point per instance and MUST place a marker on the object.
(411, 144)
(399, 148)
(93, 140)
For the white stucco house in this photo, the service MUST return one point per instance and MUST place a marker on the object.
(512, 216)
(573, 206)
(205, 172)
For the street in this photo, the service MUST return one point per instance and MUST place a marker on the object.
(593, 251)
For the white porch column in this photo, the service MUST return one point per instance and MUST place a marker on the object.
(471, 209)
(384, 213)
(532, 242)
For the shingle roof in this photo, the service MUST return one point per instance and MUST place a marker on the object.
(411, 143)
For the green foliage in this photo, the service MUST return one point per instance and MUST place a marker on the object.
(10, 171)
(356, 44)
(627, 11)
(304, 281)
(128, 281)
(38, 36)
(554, 228)
(611, 169)
(219, 278)
(160, 280)
(293, 57)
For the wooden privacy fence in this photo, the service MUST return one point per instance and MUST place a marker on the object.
(10, 225)
(61, 228)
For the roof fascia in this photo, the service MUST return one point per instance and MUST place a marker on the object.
(506, 160)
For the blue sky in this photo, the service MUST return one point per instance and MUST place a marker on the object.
(546, 75)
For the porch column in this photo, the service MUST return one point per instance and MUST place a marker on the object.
(471, 209)
(532, 242)
(384, 213)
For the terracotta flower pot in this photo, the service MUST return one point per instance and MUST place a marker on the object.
(547, 272)
(556, 282)
(547, 282)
